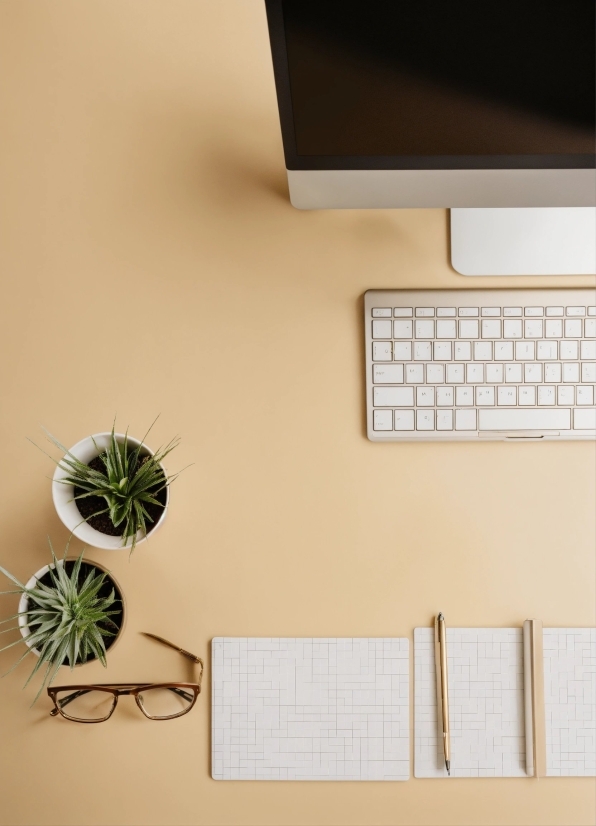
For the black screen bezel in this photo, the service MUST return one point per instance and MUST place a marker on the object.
(294, 161)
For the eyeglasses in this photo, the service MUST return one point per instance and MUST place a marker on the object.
(157, 701)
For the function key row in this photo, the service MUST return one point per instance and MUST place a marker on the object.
(485, 312)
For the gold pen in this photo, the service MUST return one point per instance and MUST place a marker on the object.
(442, 691)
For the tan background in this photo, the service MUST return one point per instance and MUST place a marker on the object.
(151, 263)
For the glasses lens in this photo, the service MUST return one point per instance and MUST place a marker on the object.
(162, 702)
(87, 704)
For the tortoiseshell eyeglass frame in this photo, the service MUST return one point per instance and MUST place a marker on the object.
(190, 691)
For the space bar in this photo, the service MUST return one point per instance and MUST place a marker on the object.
(531, 419)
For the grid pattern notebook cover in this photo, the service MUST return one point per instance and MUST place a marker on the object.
(310, 709)
(486, 702)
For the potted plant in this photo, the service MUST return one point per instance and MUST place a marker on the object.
(70, 612)
(110, 490)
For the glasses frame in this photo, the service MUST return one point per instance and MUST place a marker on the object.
(118, 690)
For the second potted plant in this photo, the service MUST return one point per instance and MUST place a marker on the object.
(70, 612)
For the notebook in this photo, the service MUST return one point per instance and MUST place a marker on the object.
(490, 708)
(310, 709)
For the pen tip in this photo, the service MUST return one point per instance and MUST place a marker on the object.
(440, 617)
(448, 765)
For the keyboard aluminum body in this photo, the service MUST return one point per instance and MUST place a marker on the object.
(464, 365)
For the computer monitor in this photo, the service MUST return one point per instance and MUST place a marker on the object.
(486, 107)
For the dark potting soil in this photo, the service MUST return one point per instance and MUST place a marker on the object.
(102, 522)
(106, 589)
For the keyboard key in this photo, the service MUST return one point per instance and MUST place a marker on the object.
(525, 350)
(551, 311)
(584, 419)
(483, 351)
(491, 328)
(402, 350)
(576, 311)
(388, 374)
(553, 328)
(468, 311)
(444, 419)
(529, 419)
(568, 349)
(565, 394)
(423, 351)
(590, 327)
(491, 311)
(446, 312)
(402, 329)
(402, 312)
(475, 373)
(382, 419)
(425, 312)
(513, 373)
(584, 394)
(588, 349)
(444, 396)
(506, 396)
(526, 395)
(455, 373)
(404, 420)
(446, 329)
(547, 395)
(546, 350)
(442, 350)
(468, 329)
(462, 351)
(573, 328)
(485, 396)
(494, 373)
(508, 312)
(415, 373)
(512, 328)
(425, 396)
(393, 396)
(532, 372)
(425, 329)
(381, 329)
(465, 419)
(571, 371)
(503, 350)
(533, 328)
(534, 311)
(425, 420)
(552, 372)
(589, 371)
(464, 396)
(435, 373)
(381, 312)
(381, 351)
(591, 310)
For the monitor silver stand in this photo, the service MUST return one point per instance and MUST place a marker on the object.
(524, 241)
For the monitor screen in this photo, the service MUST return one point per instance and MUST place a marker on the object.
(433, 83)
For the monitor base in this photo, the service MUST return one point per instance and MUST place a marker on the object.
(524, 241)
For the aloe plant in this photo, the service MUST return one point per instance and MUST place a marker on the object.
(129, 482)
(67, 619)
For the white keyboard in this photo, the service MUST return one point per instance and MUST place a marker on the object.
(470, 364)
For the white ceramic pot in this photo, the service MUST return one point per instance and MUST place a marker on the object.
(24, 603)
(63, 495)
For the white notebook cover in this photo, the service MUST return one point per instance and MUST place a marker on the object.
(486, 702)
(310, 709)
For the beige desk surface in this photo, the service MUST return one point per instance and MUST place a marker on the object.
(151, 263)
